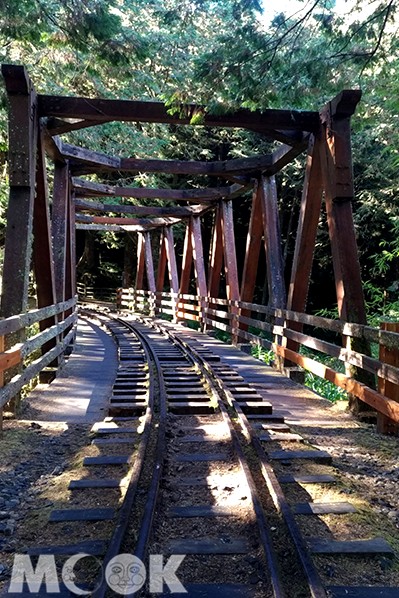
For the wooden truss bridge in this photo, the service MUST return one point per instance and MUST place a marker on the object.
(47, 243)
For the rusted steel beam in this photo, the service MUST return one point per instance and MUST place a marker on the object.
(23, 131)
(86, 188)
(149, 264)
(274, 255)
(156, 112)
(125, 221)
(216, 255)
(187, 260)
(42, 244)
(252, 252)
(177, 212)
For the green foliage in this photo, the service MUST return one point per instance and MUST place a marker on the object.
(262, 354)
(220, 53)
(326, 389)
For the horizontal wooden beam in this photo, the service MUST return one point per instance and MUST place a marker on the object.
(101, 110)
(115, 228)
(174, 212)
(125, 221)
(83, 160)
(284, 155)
(58, 126)
(85, 188)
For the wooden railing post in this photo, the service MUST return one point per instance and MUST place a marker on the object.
(2, 347)
(338, 183)
(172, 268)
(385, 425)
(199, 267)
(230, 265)
(252, 252)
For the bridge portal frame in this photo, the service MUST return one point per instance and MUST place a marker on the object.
(36, 124)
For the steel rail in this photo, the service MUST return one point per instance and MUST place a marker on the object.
(122, 519)
(314, 582)
(263, 527)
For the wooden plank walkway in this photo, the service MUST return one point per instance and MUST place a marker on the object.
(299, 406)
(80, 392)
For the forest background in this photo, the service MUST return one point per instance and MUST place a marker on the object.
(225, 54)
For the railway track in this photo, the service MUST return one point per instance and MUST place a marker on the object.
(192, 461)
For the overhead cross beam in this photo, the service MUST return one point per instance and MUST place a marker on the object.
(151, 222)
(87, 161)
(100, 110)
(174, 212)
(85, 188)
(84, 160)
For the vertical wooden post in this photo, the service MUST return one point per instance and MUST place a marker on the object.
(23, 130)
(161, 263)
(274, 254)
(2, 347)
(216, 254)
(43, 264)
(140, 268)
(140, 262)
(161, 270)
(306, 236)
(187, 260)
(128, 262)
(186, 267)
(72, 224)
(336, 161)
(171, 256)
(68, 280)
(59, 226)
(252, 251)
(337, 171)
(172, 268)
(230, 264)
(307, 229)
(385, 425)
(42, 246)
(199, 266)
(149, 267)
(273, 249)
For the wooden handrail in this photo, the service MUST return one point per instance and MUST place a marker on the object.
(278, 325)
(20, 321)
